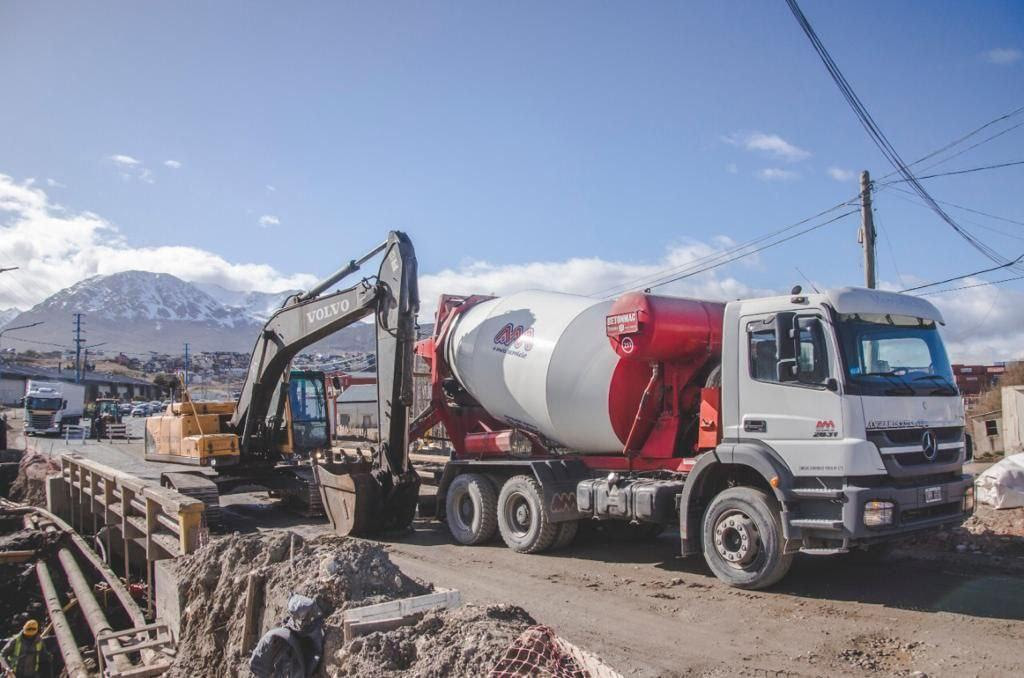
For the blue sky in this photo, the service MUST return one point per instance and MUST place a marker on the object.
(503, 135)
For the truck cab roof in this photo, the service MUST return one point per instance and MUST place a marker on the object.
(848, 300)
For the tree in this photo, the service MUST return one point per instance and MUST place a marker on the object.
(168, 382)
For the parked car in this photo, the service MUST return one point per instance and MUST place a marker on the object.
(126, 408)
(140, 411)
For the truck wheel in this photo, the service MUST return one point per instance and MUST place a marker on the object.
(566, 533)
(742, 539)
(471, 509)
(522, 519)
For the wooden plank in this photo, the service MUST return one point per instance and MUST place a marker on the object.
(446, 599)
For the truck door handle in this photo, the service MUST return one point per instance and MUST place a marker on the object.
(755, 426)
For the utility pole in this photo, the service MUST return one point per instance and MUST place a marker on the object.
(186, 365)
(78, 348)
(867, 230)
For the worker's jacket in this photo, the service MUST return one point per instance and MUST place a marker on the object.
(24, 655)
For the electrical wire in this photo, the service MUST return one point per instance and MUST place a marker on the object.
(968, 287)
(961, 171)
(646, 280)
(1008, 264)
(689, 274)
(881, 141)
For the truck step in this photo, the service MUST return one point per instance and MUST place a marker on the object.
(823, 551)
(817, 493)
(817, 523)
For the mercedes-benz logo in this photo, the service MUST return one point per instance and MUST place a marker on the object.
(930, 445)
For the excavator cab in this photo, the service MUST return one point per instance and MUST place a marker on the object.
(307, 403)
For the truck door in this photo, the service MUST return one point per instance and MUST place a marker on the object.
(793, 406)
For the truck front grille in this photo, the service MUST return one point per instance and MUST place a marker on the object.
(901, 437)
(41, 420)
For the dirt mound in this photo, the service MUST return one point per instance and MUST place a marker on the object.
(995, 537)
(334, 571)
(467, 641)
(30, 485)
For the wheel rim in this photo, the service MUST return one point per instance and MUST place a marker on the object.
(518, 514)
(737, 540)
(466, 510)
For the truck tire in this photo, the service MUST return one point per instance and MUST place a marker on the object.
(522, 518)
(742, 539)
(566, 533)
(471, 509)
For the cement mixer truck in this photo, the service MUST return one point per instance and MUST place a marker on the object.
(807, 423)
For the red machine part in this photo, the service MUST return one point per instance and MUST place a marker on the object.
(680, 335)
(663, 343)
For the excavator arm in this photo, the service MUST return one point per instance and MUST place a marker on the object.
(306, 318)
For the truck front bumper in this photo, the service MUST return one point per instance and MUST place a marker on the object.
(920, 507)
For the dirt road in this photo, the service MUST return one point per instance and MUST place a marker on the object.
(648, 612)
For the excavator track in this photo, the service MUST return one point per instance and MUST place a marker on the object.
(301, 492)
(199, 487)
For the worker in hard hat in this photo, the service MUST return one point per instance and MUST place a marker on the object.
(26, 654)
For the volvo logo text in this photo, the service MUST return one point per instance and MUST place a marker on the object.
(930, 445)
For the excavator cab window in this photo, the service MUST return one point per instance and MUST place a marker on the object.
(308, 403)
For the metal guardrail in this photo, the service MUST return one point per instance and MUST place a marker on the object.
(143, 517)
(75, 432)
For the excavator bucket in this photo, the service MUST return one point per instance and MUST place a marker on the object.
(358, 505)
(351, 497)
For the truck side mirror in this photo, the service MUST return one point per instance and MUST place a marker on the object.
(64, 405)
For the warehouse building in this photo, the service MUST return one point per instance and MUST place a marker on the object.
(14, 378)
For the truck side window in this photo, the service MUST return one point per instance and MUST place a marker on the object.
(812, 358)
(763, 355)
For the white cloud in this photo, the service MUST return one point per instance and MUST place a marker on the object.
(1004, 55)
(840, 174)
(146, 176)
(776, 174)
(983, 323)
(123, 160)
(173, 164)
(731, 168)
(271, 189)
(769, 144)
(56, 248)
(268, 220)
(53, 183)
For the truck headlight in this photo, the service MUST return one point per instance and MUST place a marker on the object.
(968, 505)
(878, 513)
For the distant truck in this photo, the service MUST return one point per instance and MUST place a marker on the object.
(51, 405)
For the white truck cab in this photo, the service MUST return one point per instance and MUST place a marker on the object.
(850, 395)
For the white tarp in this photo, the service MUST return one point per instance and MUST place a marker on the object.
(1002, 485)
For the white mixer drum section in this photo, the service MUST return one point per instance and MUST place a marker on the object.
(540, 361)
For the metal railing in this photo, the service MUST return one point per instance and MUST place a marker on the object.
(145, 521)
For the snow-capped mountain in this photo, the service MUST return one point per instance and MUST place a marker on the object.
(7, 315)
(257, 305)
(139, 312)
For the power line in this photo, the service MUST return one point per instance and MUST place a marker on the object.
(965, 275)
(967, 287)
(646, 280)
(961, 171)
(689, 274)
(965, 209)
(878, 136)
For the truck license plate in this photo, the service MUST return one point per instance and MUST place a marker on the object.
(932, 495)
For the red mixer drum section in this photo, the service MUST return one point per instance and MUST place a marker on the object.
(672, 329)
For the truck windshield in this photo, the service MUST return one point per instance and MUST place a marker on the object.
(894, 355)
(39, 403)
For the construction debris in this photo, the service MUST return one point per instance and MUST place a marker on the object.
(30, 485)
